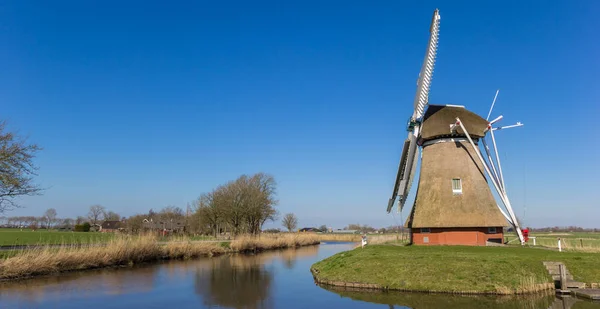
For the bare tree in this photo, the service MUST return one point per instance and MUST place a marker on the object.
(68, 223)
(323, 228)
(290, 222)
(80, 220)
(95, 213)
(260, 201)
(208, 215)
(171, 213)
(16, 169)
(49, 217)
(111, 216)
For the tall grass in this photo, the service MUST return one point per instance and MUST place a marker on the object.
(129, 250)
(372, 238)
(272, 241)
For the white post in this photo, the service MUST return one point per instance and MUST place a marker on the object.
(559, 246)
(533, 240)
(501, 193)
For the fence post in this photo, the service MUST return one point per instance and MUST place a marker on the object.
(533, 240)
(563, 276)
(559, 246)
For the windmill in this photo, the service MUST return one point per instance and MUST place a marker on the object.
(454, 203)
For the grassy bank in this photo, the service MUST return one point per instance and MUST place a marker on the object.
(372, 238)
(128, 250)
(454, 269)
(11, 237)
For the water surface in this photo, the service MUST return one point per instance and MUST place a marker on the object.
(278, 279)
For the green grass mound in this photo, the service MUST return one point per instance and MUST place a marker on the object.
(459, 269)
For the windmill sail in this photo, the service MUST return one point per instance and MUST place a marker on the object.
(408, 160)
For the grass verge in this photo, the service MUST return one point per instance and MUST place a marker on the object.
(452, 269)
(129, 250)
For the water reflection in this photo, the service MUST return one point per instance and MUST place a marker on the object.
(82, 284)
(437, 301)
(236, 282)
(276, 279)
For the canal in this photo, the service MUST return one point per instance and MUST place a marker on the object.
(278, 279)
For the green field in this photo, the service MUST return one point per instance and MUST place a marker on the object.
(454, 268)
(569, 241)
(28, 237)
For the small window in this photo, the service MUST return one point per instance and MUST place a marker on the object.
(425, 230)
(456, 186)
(491, 230)
(425, 240)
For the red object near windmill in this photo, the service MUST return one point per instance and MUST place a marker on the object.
(526, 234)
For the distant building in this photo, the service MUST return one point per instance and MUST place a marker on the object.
(111, 226)
(339, 231)
(309, 230)
(176, 226)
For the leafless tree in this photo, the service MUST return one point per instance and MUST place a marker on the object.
(135, 224)
(96, 212)
(171, 213)
(16, 169)
(260, 201)
(242, 205)
(68, 223)
(290, 222)
(208, 215)
(80, 220)
(49, 217)
(111, 216)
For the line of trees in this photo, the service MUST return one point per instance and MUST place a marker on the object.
(239, 206)
(50, 219)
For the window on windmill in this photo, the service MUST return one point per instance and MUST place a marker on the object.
(491, 230)
(456, 186)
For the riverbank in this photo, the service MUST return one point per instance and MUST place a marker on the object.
(452, 269)
(130, 250)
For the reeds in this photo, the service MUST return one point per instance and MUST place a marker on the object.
(371, 239)
(272, 241)
(129, 250)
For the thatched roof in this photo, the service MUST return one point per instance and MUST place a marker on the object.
(438, 118)
(437, 206)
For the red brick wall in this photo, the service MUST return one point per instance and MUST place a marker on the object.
(455, 236)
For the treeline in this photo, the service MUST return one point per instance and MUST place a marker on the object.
(239, 206)
(565, 229)
(50, 219)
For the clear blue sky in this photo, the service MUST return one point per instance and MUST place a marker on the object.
(139, 105)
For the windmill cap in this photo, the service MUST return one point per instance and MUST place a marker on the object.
(438, 118)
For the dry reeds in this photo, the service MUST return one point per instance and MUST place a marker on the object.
(129, 250)
(272, 241)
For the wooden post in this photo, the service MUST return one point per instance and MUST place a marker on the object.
(559, 246)
(581, 242)
(563, 276)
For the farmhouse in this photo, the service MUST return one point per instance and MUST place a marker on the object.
(111, 226)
